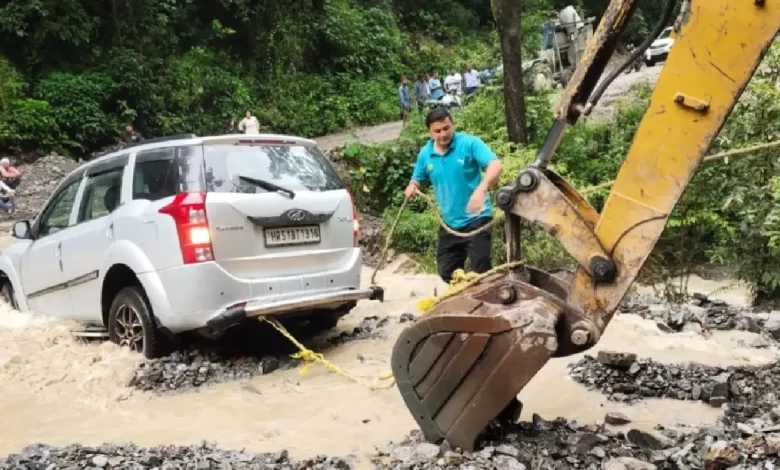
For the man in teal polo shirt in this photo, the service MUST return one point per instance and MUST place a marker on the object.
(453, 162)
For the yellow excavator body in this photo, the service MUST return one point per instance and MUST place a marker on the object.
(461, 365)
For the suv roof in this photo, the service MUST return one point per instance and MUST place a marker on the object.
(191, 139)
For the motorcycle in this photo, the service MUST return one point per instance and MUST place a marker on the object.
(450, 100)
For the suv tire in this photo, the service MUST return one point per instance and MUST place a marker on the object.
(7, 294)
(130, 322)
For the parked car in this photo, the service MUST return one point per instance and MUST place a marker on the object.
(659, 49)
(191, 233)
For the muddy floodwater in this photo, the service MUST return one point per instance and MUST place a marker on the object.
(58, 391)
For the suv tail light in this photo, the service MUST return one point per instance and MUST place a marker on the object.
(188, 211)
(355, 222)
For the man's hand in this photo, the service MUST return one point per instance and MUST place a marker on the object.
(477, 201)
(411, 189)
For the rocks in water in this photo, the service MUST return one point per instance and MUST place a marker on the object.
(703, 314)
(406, 317)
(367, 329)
(645, 378)
(190, 369)
(130, 456)
(616, 419)
(562, 444)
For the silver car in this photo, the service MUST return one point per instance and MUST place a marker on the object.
(191, 233)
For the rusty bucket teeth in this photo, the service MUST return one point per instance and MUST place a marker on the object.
(460, 365)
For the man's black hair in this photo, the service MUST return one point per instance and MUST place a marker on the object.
(436, 115)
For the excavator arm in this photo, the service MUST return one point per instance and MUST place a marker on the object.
(462, 364)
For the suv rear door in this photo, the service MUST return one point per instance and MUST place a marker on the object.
(85, 248)
(258, 232)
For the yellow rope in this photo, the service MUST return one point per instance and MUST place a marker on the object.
(460, 279)
(311, 358)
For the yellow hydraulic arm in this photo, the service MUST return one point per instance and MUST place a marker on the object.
(462, 364)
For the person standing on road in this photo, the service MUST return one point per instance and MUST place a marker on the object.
(403, 99)
(453, 82)
(453, 163)
(421, 94)
(434, 86)
(471, 77)
(249, 125)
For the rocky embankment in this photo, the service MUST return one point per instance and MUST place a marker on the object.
(39, 179)
(703, 315)
(203, 457)
(565, 445)
(747, 434)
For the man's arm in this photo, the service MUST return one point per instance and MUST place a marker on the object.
(488, 162)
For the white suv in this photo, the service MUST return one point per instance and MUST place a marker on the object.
(660, 48)
(191, 233)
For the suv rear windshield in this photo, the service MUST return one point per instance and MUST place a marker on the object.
(293, 167)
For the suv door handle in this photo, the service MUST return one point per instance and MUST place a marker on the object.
(110, 231)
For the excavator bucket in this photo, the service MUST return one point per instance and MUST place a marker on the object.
(462, 364)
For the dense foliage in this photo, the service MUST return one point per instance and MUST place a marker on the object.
(74, 72)
(729, 214)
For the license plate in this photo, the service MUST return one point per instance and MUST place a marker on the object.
(286, 236)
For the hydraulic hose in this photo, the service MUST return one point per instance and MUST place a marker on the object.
(667, 15)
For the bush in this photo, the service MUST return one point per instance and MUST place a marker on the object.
(81, 107)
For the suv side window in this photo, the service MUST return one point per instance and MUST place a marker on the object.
(101, 195)
(57, 214)
(156, 174)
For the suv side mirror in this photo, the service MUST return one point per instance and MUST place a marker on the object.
(22, 230)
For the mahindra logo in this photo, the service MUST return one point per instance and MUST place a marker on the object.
(296, 215)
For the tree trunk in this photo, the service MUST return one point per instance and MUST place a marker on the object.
(508, 14)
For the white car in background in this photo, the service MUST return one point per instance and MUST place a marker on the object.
(191, 233)
(659, 49)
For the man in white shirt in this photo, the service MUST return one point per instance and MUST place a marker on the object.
(249, 125)
(453, 82)
(472, 81)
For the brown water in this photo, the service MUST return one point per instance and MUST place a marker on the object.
(58, 391)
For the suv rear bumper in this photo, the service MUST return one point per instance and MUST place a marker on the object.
(260, 308)
(188, 297)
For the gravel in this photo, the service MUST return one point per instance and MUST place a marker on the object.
(239, 357)
(129, 456)
(703, 315)
(623, 377)
(562, 444)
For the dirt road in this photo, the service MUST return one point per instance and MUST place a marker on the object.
(373, 134)
(392, 130)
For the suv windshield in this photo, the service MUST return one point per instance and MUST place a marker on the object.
(230, 168)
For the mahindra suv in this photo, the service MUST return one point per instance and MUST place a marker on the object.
(190, 233)
(660, 48)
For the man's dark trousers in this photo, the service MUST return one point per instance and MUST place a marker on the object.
(454, 250)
